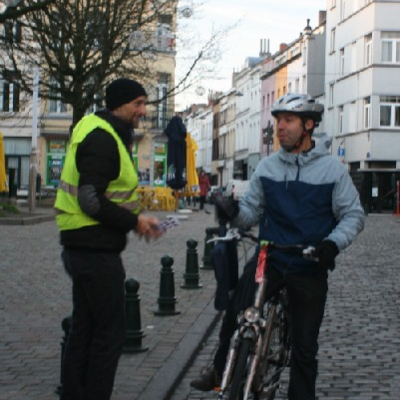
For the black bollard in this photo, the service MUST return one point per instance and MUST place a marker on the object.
(210, 232)
(134, 333)
(167, 299)
(192, 267)
(66, 326)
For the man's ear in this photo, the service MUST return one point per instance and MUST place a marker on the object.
(310, 124)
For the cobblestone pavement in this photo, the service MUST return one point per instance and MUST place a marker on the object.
(360, 336)
(36, 295)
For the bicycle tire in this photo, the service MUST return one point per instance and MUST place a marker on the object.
(272, 358)
(239, 372)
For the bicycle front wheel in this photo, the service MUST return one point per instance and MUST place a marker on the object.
(240, 371)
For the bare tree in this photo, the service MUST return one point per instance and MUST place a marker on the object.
(18, 8)
(81, 45)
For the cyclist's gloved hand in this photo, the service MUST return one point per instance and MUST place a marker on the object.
(326, 252)
(226, 209)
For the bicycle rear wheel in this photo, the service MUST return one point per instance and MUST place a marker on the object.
(240, 371)
(273, 357)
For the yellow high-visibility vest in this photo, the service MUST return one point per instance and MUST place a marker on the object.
(120, 191)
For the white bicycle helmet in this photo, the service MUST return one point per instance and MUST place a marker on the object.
(300, 104)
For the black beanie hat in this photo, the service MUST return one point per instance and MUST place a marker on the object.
(122, 91)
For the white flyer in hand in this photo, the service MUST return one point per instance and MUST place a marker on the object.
(168, 223)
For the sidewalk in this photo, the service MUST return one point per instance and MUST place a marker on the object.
(36, 296)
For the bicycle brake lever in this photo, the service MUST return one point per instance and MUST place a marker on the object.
(308, 254)
(230, 235)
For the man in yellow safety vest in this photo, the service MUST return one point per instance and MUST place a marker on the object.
(96, 207)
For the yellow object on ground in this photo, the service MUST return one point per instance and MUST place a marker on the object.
(156, 198)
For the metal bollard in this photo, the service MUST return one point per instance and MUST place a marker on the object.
(167, 299)
(192, 267)
(134, 333)
(66, 326)
(210, 232)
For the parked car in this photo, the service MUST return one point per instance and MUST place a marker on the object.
(235, 188)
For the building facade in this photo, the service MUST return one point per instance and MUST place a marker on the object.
(362, 95)
(41, 126)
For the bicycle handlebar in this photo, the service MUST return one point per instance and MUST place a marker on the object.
(235, 233)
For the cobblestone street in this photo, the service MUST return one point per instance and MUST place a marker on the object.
(360, 336)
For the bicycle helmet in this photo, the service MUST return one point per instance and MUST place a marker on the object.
(301, 104)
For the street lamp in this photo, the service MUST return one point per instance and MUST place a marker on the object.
(33, 160)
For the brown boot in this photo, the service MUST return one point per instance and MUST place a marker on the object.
(206, 382)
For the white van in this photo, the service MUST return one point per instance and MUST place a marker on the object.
(235, 188)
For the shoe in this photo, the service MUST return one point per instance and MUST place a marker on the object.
(207, 382)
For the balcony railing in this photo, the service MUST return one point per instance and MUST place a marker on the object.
(158, 119)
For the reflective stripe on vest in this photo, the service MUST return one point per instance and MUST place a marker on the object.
(120, 191)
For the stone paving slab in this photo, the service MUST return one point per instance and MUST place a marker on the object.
(359, 355)
(36, 296)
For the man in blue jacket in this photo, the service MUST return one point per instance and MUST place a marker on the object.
(298, 195)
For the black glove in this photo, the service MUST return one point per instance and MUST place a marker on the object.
(226, 209)
(326, 252)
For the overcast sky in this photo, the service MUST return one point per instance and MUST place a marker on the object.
(280, 21)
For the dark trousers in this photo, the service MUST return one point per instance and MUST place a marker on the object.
(202, 201)
(97, 334)
(306, 297)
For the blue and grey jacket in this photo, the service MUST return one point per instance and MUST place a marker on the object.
(302, 199)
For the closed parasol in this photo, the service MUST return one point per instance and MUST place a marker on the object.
(176, 153)
(192, 178)
(3, 176)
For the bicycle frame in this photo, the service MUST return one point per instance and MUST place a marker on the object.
(249, 359)
(257, 329)
(252, 325)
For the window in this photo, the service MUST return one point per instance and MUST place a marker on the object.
(333, 39)
(162, 108)
(9, 92)
(390, 111)
(353, 59)
(12, 32)
(367, 113)
(343, 10)
(391, 47)
(55, 105)
(368, 49)
(331, 94)
(304, 55)
(297, 85)
(333, 4)
(341, 60)
(352, 117)
(96, 106)
(340, 114)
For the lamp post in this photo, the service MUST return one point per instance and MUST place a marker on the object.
(33, 158)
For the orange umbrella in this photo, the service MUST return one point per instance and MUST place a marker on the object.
(3, 176)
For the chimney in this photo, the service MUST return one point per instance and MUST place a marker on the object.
(321, 17)
(282, 47)
(264, 48)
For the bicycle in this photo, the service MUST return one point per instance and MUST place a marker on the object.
(260, 348)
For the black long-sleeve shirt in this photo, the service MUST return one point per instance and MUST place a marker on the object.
(98, 163)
